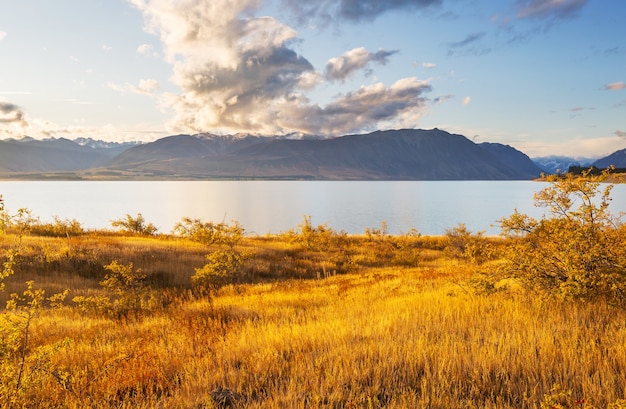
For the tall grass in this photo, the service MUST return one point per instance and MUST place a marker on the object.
(389, 322)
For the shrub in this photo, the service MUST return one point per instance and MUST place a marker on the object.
(21, 366)
(135, 225)
(379, 233)
(210, 233)
(578, 251)
(313, 238)
(58, 228)
(126, 292)
(221, 267)
(461, 242)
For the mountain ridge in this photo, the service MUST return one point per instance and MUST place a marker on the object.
(403, 154)
(407, 154)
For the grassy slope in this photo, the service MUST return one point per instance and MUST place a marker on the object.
(391, 324)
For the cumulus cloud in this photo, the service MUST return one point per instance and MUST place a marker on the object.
(548, 9)
(12, 119)
(467, 100)
(238, 72)
(428, 65)
(614, 86)
(340, 68)
(145, 87)
(12, 114)
(370, 106)
(621, 134)
(3, 34)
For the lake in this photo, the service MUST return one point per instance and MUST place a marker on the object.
(263, 207)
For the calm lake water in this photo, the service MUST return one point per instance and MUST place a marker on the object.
(262, 207)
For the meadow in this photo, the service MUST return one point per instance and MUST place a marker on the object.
(210, 317)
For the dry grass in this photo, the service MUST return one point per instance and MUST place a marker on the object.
(388, 324)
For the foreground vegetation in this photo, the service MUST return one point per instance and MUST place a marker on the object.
(208, 317)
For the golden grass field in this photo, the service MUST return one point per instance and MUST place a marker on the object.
(363, 322)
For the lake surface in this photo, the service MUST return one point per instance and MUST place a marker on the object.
(262, 207)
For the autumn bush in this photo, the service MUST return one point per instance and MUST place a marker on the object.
(135, 225)
(209, 233)
(578, 251)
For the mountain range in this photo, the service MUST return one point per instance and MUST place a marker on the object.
(406, 154)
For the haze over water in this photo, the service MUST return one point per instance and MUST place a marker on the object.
(263, 207)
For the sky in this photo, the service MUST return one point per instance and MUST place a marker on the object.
(547, 77)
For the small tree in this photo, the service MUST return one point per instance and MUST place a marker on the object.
(135, 225)
(578, 251)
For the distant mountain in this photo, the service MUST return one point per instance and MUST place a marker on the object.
(112, 147)
(514, 158)
(560, 164)
(408, 154)
(184, 147)
(54, 155)
(617, 159)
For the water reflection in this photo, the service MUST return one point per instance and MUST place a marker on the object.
(275, 206)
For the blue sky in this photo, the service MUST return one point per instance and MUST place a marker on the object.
(545, 76)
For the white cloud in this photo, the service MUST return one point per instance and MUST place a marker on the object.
(614, 86)
(3, 35)
(106, 47)
(467, 100)
(340, 68)
(254, 81)
(147, 49)
(428, 65)
(11, 114)
(370, 107)
(146, 87)
(42, 128)
(574, 147)
(12, 119)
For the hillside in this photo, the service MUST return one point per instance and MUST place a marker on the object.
(617, 159)
(29, 155)
(407, 154)
(383, 155)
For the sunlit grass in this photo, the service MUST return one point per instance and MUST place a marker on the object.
(391, 323)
